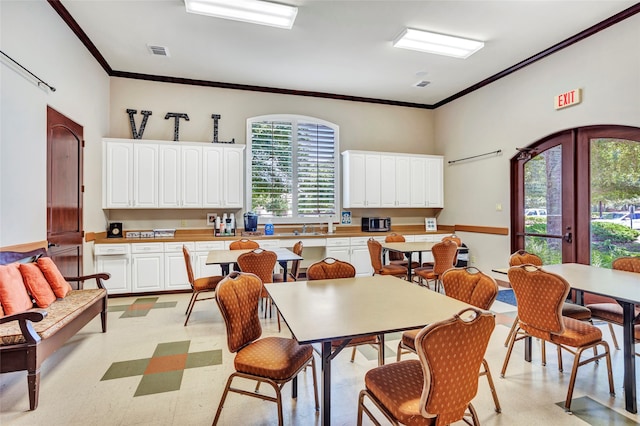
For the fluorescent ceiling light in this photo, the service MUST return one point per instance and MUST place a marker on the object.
(254, 11)
(439, 44)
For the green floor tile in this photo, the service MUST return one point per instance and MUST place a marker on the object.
(596, 414)
(172, 348)
(118, 370)
(159, 382)
(202, 359)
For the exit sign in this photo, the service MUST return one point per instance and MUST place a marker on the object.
(572, 97)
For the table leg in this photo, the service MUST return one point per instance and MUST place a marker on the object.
(408, 256)
(527, 349)
(630, 403)
(285, 272)
(325, 418)
(225, 268)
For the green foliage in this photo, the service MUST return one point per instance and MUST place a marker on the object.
(535, 225)
(615, 172)
(613, 232)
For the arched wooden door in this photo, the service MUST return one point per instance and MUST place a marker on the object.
(560, 182)
(64, 192)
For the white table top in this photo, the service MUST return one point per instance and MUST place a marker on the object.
(322, 310)
(409, 246)
(620, 285)
(216, 257)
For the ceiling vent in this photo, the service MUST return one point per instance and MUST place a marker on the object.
(422, 83)
(158, 50)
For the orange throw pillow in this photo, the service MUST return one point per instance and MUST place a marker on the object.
(58, 284)
(13, 294)
(37, 284)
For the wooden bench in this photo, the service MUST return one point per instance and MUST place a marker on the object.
(28, 338)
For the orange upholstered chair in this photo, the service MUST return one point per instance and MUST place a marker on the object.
(425, 391)
(444, 256)
(271, 360)
(571, 310)
(295, 266)
(607, 309)
(375, 253)
(330, 268)
(471, 286)
(243, 244)
(540, 296)
(198, 285)
(397, 258)
(261, 263)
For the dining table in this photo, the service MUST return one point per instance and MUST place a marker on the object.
(225, 258)
(320, 311)
(408, 248)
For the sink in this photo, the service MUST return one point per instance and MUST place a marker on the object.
(299, 234)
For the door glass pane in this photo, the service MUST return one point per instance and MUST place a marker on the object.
(615, 200)
(543, 205)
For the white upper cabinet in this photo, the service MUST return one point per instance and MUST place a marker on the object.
(162, 174)
(390, 180)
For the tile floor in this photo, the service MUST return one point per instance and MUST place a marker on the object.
(148, 369)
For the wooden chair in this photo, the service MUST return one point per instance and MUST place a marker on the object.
(540, 297)
(261, 263)
(471, 286)
(425, 391)
(444, 256)
(375, 253)
(271, 360)
(295, 266)
(397, 258)
(571, 310)
(198, 285)
(242, 244)
(607, 309)
(330, 268)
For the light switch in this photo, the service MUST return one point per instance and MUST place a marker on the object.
(499, 207)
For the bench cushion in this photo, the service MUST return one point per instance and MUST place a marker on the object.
(13, 294)
(59, 313)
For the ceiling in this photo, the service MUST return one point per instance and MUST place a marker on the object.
(340, 48)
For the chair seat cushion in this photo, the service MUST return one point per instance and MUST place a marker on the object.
(363, 340)
(393, 270)
(279, 278)
(426, 273)
(577, 333)
(404, 263)
(206, 283)
(574, 311)
(611, 312)
(409, 337)
(400, 397)
(275, 358)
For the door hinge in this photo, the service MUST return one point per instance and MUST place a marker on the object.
(82, 188)
(83, 143)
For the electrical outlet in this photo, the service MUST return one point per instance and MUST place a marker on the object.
(183, 223)
(473, 259)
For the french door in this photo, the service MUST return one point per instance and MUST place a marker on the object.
(559, 185)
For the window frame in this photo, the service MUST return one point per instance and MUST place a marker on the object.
(294, 119)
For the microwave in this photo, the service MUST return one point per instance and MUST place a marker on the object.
(376, 224)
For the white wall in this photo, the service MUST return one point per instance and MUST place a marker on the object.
(33, 34)
(517, 111)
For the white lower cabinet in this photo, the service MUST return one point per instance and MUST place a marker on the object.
(175, 270)
(147, 267)
(201, 253)
(115, 260)
(353, 250)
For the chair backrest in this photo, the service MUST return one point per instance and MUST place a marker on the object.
(471, 286)
(540, 295)
(295, 265)
(375, 253)
(444, 256)
(523, 257)
(243, 244)
(330, 268)
(187, 262)
(259, 262)
(238, 295)
(451, 352)
(395, 238)
(453, 238)
(627, 263)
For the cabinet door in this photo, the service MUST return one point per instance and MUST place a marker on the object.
(435, 184)
(354, 180)
(175, 272)
(233, 178)
(388, 171)
(117, 175)
(373, 179)
(403, 181)
(418, 182)
(361, 260)
(169, 176)
(191, 176)
(212, 172)
(145, 175)
(147, 272)
(119, 268)
(340, 253)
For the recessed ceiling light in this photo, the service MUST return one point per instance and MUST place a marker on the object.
(439, 44)
(253, 11)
